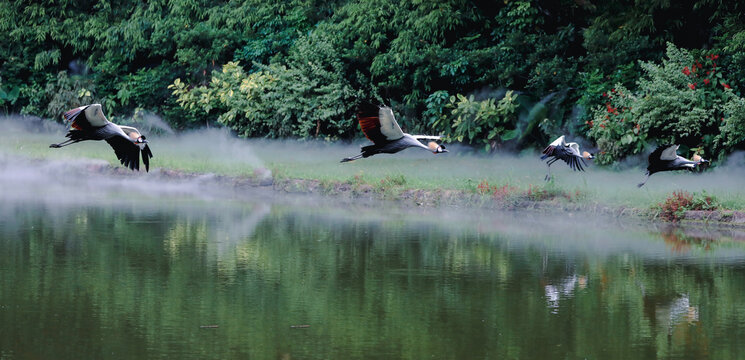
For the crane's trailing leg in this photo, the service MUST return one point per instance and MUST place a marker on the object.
(548, 163)
(645, 180)
(64, 143)
(351, 158)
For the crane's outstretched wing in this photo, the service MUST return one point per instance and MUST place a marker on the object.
(566, 153)
(670, 153)
(86, 117)
(574, 148)
(388, 125)
(559, 141)
(126, 151)
(378, 125)
(549, 151)
(664, 152)
(77, 118)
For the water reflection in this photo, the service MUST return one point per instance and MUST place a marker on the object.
(190, 278)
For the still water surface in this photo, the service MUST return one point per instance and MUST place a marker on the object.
(184, 278)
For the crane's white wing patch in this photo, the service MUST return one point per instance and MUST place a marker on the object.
(574, 147)
(128, 130)
(559, 141)
(670, 153)
(428, 137)
(388, 125)
(94, 115)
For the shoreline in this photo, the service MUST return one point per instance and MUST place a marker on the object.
(404, 196)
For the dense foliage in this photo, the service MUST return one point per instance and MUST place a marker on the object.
(683, 100)
(611, 72)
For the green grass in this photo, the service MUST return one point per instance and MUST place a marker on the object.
(216, 152)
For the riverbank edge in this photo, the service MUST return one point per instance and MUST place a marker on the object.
(403, 196)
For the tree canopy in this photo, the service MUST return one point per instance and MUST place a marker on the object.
(298, 68)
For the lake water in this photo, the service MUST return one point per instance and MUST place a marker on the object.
(89, 270)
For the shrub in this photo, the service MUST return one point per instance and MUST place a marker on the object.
(308, 97)
(497, 192)
(673, 209)
(484, 123)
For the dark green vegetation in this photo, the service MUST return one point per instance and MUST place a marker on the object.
(491, 74)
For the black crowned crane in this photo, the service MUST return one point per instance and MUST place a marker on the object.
(666, 158)
(569, 152)
(89, 123)
(380, 126)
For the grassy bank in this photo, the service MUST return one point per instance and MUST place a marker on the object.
(509, 179)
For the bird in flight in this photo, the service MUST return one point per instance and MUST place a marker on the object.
(666, 158)
(380, 126)
(89, 123)
(569, 152)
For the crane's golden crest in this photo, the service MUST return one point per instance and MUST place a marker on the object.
(432, 146)
(587, 155)
(696, 157)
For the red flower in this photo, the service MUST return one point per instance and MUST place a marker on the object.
(706, 81)
(726, 86)
(686, 71)
(602, 126)
(714, 57)
(605, 95)
(698, 64)
(692, 86)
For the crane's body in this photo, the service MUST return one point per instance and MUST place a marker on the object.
(89, 123)
(666, 158)
(559, 149)
(380, 126)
